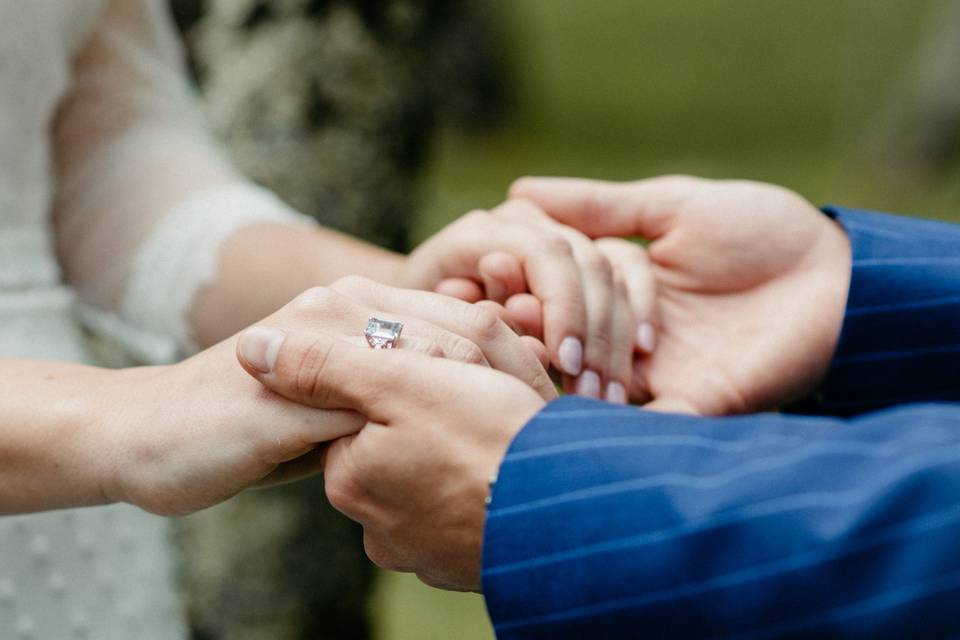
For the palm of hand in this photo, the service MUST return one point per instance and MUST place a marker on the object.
(751, 282)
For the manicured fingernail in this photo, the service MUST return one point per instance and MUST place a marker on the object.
(616, 393)
(571, 356)
(588, 385)
(260, 346)
(646, 337)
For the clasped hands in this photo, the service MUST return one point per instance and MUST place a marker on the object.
(743, 284)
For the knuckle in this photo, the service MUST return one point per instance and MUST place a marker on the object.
(338, 494)
(313, 298)
(378, 553)
(519, 209)
(677, 187)
(554, 243)
(340, 487)
(598, 264)
(466, 351)
(482, 323)
(425, 347)
(310, 367)
(600, 344)
(352, 284)
(432, 581)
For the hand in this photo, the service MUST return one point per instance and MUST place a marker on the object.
(751, 283)
(417, 475)
(434, 324)
(185, 437)
(588, 323)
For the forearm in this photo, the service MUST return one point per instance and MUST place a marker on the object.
(263, 267)
(150, 211)
(52, 444)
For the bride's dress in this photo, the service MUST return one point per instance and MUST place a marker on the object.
(107, 183)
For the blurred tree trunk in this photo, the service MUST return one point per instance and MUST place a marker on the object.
(919, 140)
(332, 104)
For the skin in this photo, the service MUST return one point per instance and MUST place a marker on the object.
(120, 438)
(176, 439)
(587, 316)
(417, 475)
(752, 282)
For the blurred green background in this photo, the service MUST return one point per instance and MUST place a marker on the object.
(785, 91)
(793, 92)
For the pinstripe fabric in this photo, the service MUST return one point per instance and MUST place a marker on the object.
(901, 336)
(611, 522)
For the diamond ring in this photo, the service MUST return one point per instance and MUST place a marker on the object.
(382, 334)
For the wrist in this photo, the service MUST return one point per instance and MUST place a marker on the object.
(84, 454)
(899, 326)
(126, 436)
(836, 290)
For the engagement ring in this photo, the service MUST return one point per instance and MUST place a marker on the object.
(382, 334)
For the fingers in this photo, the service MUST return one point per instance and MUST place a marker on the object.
(608, 347)
(632, 265)
(345, 308)
(461, 289)
(620, 367)
(538, 349)
(305, 466)
(646, 208)
(324, 372)
(603, 308)
(554, 277)
(548, 264)
(525, 313)
(502, 275)
(477, 325)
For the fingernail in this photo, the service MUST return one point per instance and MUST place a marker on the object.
(646, 337)
(616, 393)
(260, 346)
(571, 356)
(588, 385)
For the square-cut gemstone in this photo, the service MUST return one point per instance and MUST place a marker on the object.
(383, 334)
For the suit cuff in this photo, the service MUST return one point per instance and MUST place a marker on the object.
(552, 458)
(900, 341)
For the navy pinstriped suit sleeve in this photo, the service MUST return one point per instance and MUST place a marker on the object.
(611, 522)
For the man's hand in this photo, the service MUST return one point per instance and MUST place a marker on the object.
(751, 283)
(417, 475)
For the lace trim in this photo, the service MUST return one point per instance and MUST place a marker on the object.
(175, 262)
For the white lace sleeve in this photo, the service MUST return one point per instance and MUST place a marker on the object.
(145, 197)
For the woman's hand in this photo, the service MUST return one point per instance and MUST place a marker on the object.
(751, 283)
(588, 324)
(188, 436)
(182, 438)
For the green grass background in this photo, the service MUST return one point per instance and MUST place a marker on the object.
(788, 91)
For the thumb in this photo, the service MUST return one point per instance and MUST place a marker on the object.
(325, 372)
(600, 209)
